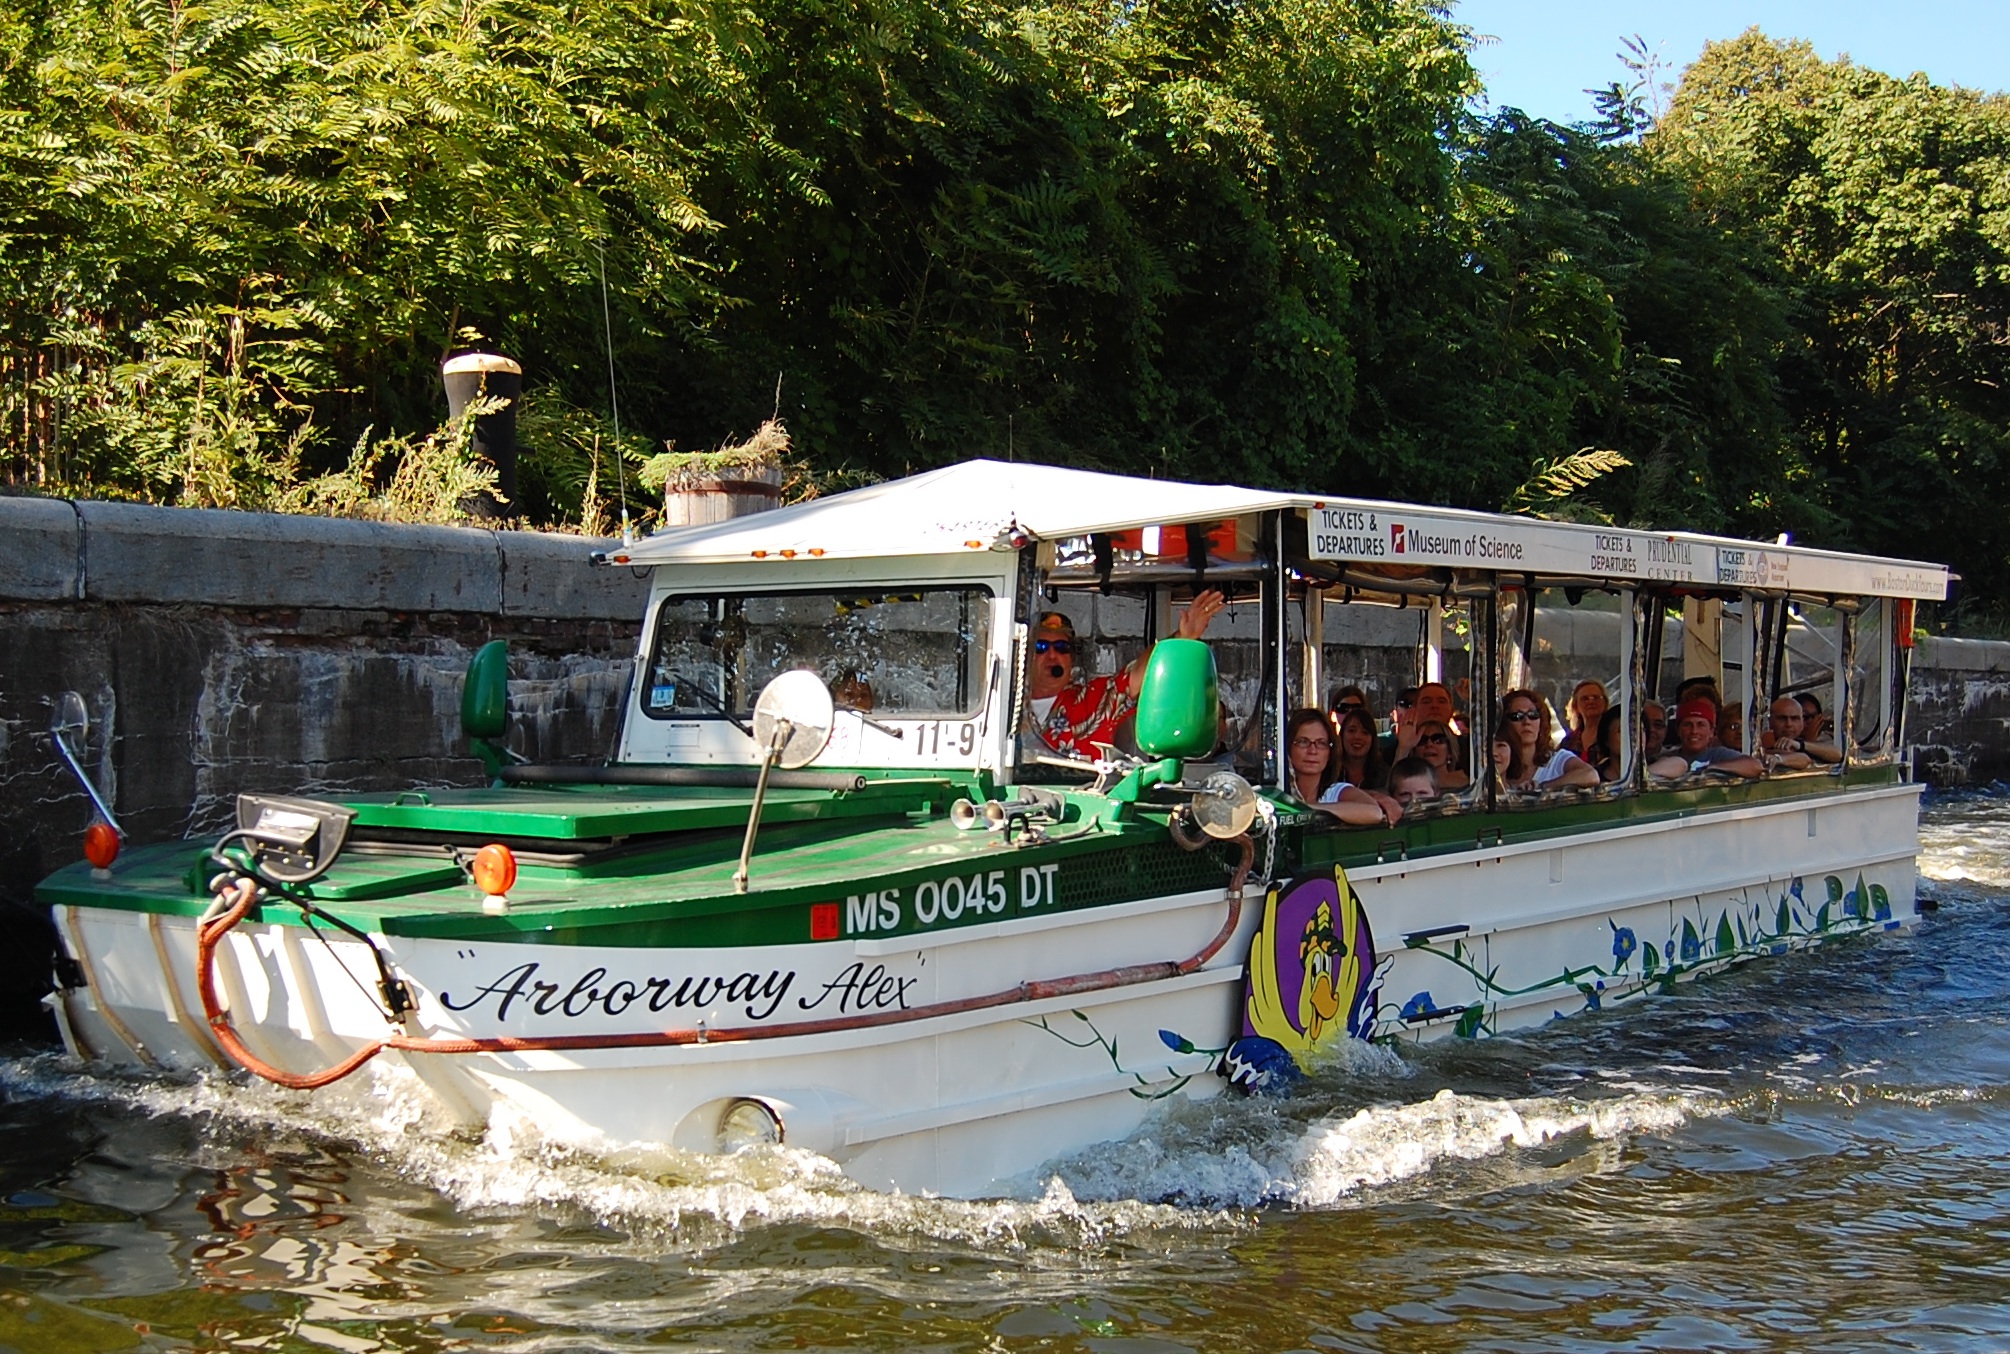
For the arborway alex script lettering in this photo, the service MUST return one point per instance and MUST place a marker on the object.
(759, 995)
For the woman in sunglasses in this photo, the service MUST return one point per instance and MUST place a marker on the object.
(1434, 747)
(1308, 742)
(1538, 763)
(1350, 698)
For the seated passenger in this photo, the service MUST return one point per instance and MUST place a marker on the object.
(1501, 749)
(1705, 687)
(1538, 763)
(1308, 742)
(1434, 749)
(1401, 733)
(1815, 723)
(1350, 698)
(1698, 748)
(1607, 753)
(1587, 706)
(1411, 781)
(1308, 750)
(1786, 738)
(1431, 704)
(1075, 715)
(851, 691)
(1731, 727)
(1358, 759)
(1653, 728)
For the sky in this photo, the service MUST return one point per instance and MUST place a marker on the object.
(1548, 52)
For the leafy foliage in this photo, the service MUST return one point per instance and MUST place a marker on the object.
(1268, 242)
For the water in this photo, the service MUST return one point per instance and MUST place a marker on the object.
(1809, 1153)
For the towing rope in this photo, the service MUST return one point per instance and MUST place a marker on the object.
(235, 902)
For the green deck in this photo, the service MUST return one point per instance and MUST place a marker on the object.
(665, 857)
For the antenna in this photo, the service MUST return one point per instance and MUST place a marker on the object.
(613, 399)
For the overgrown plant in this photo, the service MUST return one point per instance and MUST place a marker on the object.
(436, 478)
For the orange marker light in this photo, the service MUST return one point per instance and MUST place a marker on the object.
(494, 869)
(101, 845)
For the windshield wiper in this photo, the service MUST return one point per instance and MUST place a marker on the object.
(705, 695)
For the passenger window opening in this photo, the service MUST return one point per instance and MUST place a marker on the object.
(1393, 672)
(1565, 726)
(1108, 631)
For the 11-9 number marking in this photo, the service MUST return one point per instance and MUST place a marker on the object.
(961, 738)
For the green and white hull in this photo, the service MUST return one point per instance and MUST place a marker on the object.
(874, 976)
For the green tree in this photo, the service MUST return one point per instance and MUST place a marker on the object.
(1883, 203)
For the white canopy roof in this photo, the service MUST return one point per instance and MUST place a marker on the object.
(992, 505)
(978, 505)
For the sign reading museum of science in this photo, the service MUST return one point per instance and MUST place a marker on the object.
(1392, 534)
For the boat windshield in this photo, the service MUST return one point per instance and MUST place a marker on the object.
(912, 651)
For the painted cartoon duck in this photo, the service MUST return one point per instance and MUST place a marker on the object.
(1318, 996)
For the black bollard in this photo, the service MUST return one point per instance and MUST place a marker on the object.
(473, 374)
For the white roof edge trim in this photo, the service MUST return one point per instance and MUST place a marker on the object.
(984, 507)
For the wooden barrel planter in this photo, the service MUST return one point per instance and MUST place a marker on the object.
(715, 494)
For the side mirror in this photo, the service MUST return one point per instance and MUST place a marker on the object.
(1179, 701)
(485, 697)
(68, 723)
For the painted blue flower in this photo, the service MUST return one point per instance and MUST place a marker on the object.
(1624, 943)
(1258, 1066)
(1692, 944)
(1590, 996)
(1418, 1007)
(1178, 1043)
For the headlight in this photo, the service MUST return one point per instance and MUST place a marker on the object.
(748, 1123)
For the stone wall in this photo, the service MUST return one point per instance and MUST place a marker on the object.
(221, 651)
(1958, 718)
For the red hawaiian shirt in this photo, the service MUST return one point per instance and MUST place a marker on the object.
(1088, 713)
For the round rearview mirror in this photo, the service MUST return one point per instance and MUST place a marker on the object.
(794, 715)
(69, 717)
(1224, 806)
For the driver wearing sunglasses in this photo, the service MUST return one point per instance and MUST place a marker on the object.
(1077, 715)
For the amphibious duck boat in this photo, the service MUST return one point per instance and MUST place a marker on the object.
(895, 928)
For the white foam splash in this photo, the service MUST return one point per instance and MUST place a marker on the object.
(1383, 1145)
(1246, 1153)
(683, 1199)
(1193, 1159)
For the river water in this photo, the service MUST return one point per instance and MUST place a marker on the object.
(1811, 1152)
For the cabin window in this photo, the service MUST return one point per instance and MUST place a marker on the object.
(1869, 683)
(1407, 660)
(1114, 629)
(911, 652)
(1797, 654)
(1569, 648)
(1810, 664)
